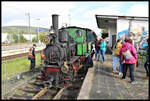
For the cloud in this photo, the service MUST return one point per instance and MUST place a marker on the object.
(42, 10)
(139, 10)
(82, 13)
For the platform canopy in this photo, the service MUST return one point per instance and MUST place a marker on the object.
(103, 21)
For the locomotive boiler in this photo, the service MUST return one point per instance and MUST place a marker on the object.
(64, 53)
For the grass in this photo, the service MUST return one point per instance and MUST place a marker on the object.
(12, 68)
(20, 92)
(120, 97)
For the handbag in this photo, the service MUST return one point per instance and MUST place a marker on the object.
(127, 55)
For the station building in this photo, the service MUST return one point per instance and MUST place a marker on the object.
(137, 28)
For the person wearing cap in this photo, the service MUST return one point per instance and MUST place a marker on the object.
(31, 57)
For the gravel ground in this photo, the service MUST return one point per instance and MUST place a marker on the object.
(13, 83)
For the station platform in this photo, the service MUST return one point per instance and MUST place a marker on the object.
(101, 83)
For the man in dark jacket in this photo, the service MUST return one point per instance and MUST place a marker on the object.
(87, 63)
(97, 48)
(146, 65)
(31, 57)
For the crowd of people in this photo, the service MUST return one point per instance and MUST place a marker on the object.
(100, 49)
(125, 53)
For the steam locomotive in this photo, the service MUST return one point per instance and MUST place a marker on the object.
(64, 53)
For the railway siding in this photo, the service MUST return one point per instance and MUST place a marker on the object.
(19, 51)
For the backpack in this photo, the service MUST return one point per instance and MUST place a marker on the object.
(127, 55)
(30, 53)
(118, 47)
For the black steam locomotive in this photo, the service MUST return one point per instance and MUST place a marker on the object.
(64, 53)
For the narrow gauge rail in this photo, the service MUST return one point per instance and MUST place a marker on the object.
(34, 89)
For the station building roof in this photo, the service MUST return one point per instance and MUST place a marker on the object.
(103, 21)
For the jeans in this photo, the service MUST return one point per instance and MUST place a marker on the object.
(32, 65)
(131, 70)
(103, 55)
(117, 59)
(146, 65)
(95, 54)
(99, 55)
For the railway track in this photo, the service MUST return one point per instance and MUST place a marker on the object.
(16, 56)
(34, 89)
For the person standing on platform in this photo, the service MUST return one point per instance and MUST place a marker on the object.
(103, 49)
(31, 57)
(117, 57)
(131, 42)
(128, 58)
(146, 65)
(97, 48)
(93, 50)
(88, 63)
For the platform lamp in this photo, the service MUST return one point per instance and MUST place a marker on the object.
(38, 30)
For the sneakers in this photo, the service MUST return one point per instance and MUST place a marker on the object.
(120, 73)
(103, 62)
(115, 72)
(123, 78)
(133, 82)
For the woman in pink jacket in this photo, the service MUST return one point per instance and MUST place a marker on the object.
(128, 62)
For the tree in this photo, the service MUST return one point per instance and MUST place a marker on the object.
(104, 33)
(22, 32)
(104, 30)
(15, 38)
(35, 39)
(42, 36)
(22, 38)
(10, 36)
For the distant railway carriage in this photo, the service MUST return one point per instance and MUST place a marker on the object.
(64, 53)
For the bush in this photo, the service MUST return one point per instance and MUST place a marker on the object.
(14, 38)
(22, 39)
(42, 36)
(35, 39)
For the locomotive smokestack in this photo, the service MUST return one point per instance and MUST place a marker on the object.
(55, 26)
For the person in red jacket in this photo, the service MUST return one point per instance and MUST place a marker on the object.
(128, 63)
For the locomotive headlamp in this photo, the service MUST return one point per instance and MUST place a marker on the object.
(46, 40)
(51, 31)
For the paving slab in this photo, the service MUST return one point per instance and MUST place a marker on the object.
(107, 85)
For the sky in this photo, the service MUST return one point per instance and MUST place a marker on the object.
(81, 14)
